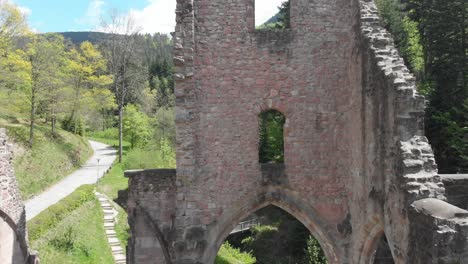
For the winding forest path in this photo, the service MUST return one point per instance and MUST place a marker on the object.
(102, 159)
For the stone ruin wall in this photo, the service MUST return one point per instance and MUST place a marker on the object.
(13, 235)
(405, 185)
(357, 164)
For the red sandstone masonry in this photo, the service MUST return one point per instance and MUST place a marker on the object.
(353, 134)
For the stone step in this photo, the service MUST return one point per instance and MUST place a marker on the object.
(108, 212)
(117, 250)
(108, 218)
(110, 225)
(113, 241)
(111, 232)
(106, 205)
(119, 257)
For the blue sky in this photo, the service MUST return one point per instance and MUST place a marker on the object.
(84, 15)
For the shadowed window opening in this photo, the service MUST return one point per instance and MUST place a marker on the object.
(270, 236)
(383, 254)
(269, 16)
(271, 145)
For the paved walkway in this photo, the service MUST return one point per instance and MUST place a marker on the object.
(88, 174)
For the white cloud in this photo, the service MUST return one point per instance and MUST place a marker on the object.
(265, 9)
(25, 10)
(158, 16)
(93, 14)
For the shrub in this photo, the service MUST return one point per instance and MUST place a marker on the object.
(74, 124)
(49, 218)
(229, 255)
(149, 158)
(110, 133)
(65, 241)
(313, 252)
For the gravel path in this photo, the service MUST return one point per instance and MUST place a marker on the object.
(88, 174)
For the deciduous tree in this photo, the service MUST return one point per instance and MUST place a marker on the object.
(124, 63)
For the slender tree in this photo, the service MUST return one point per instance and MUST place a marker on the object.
(43, 54)
(124, 63)
(86, 74)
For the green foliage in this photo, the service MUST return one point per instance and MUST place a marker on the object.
(161, 80)
(74, 124)
(313, 252)
(77, 238)
(229, 255)
(405, 33)
(12, 25)
(52, 216)
(149, 159)
(164, 127)
(442, 26)
(136, 126)
(110, 133)
(64, 242)
(271, 146)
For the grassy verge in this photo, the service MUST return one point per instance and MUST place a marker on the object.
(71, 231)
(52, 157)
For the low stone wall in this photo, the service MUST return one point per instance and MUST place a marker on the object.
(151, 211)
(439, 232)
(13, 235)
(456, 189)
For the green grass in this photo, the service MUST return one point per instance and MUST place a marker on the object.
(52, 216)
(52, 157)
(79, 238)
(230, 255)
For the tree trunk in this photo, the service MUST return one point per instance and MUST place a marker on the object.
(120, 131)
(53, 121)
(33, 117)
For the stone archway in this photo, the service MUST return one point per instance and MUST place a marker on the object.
(372, 250)
(13, 247)
(299, 210)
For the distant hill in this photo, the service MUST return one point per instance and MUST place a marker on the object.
(273, 19)
(79, 37)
